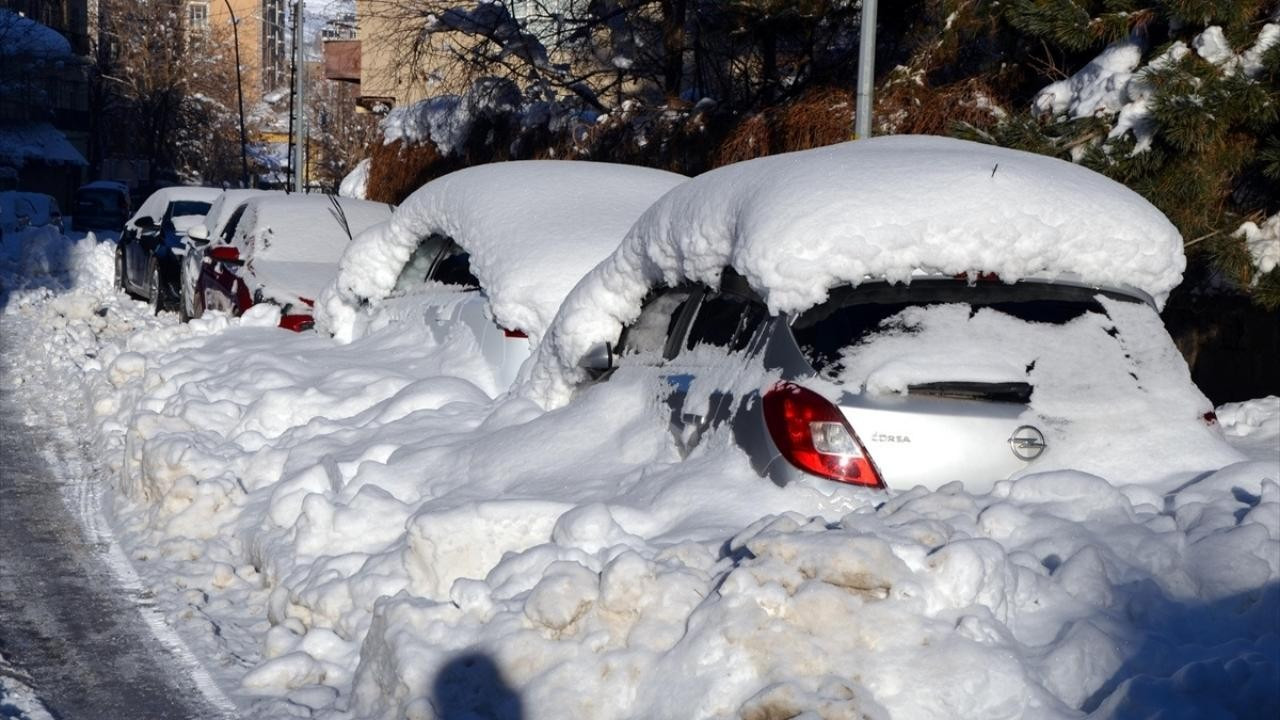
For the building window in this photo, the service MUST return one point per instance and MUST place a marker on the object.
(198, 15)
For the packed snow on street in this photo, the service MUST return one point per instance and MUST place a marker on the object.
(359, 530)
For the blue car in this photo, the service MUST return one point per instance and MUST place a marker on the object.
(149, 254)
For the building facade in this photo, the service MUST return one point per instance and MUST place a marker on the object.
(262, 27)
(45, 123)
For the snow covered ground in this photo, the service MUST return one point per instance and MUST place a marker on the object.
(357, 531)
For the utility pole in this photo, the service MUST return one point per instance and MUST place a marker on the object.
(299, 101)
(866, 70)
(244, 153)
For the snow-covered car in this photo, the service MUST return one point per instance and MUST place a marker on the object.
(148, 254)
(282, 249)
(101, 205)
(490, 251)
(217, 223)
(894, 312)
(20, 210)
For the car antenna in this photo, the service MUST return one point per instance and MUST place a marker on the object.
(342, 215)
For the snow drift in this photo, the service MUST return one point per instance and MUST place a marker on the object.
(356, 531)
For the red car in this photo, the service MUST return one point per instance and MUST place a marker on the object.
(282, 249)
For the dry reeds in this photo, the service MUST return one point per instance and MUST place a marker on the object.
(917, 108)
(821, 116)
(688, 140)
(397, 169)
(824, 116)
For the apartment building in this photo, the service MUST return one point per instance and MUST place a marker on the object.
(263, 38)
(44, 95)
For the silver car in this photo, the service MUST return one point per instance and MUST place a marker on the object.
(777, 382)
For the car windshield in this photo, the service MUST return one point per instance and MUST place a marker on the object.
(183, 208)
(951, 337)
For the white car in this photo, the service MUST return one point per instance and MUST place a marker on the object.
(282, 249)
(20, 210)
(197, 239)
(491, 250)
(895, 312)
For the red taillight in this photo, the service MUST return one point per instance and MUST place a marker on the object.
(1210, 418)
(225, 253)
(814, 436)
(514, 333)
(297, 323)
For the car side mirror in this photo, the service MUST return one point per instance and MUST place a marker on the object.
(144, 223)
(226, 254)
(598, 360)
(199, 233)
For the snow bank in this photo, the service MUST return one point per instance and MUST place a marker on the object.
(37, 261)
(797, 224)
(532, 228)
(1254, 426)
(356, 531)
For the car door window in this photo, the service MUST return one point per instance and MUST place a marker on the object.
(229, 231)
(724, 319)
(653, 336)
(26, 212)
(417, 270)
(453, 267)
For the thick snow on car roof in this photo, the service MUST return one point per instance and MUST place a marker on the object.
(533, 228)
(156, 204)
(295, 241)
(13, 202)
(797, 224)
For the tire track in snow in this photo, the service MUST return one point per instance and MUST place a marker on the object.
(70, 589)
(83, 494)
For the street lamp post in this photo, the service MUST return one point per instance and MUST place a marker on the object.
(299, 100)
(244, 158)
(866, 70)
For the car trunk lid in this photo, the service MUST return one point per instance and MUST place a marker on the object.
(928, 439)
(938, 378)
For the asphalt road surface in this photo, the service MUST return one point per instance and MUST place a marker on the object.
(85, 638)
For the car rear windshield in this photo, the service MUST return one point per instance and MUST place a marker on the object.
(104, 200)
(851, 314)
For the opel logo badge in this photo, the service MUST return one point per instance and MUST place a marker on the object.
(1027, 443)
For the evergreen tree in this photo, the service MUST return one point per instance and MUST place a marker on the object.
(1205, 147)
